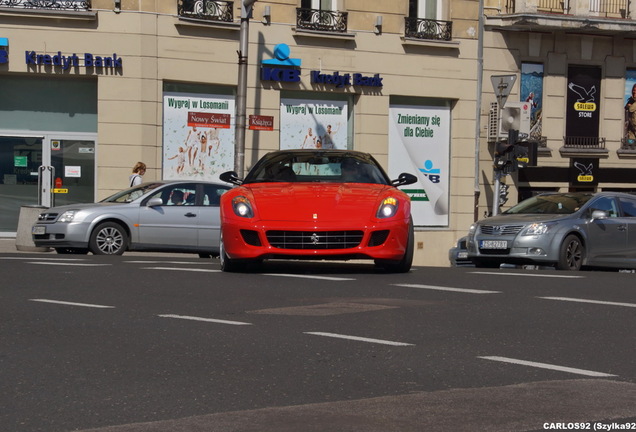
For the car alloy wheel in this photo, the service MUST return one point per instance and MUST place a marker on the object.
(108, 238)
(571, 254)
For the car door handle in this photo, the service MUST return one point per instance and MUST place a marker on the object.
(622, 227)
(190, 214)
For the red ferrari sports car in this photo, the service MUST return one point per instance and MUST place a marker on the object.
(316, 204)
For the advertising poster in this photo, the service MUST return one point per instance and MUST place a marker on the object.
(419, 143)
(311, 124)
(583, 97)
(629, 132)
(198, 136)
(532, 92)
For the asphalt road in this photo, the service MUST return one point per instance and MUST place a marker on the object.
(169, 343)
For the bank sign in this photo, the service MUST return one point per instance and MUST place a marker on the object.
(65, 62)
(283, 68)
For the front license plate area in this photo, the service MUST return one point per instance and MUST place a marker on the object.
(38, 230)
(493, 244)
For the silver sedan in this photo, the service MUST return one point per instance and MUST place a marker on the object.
(564, 230)
(157, 216)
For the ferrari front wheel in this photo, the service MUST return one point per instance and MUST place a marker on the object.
(228, 264)
(403, 265)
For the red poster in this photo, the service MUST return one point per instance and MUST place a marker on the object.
(210, 120)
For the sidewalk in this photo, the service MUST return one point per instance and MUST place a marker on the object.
(7, 245)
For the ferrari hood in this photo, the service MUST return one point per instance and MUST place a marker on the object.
(320, 201)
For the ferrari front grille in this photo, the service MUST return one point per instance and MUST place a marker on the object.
(314, 239)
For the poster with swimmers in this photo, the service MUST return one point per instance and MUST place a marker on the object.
(419, 143)
(198, 136)
(312, 124)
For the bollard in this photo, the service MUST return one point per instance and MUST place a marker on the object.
(23, 239)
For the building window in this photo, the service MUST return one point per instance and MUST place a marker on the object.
(211, 10)
(425, 21)
(60, 5)
(321, 15)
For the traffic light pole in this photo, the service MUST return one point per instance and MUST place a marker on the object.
(241, 89)
(497, 172)
(495, 198)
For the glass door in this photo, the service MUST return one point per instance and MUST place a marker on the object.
(44, 170)
(20, 182)
(73, 167)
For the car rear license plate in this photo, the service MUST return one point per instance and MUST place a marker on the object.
(493, 244)
(38, 230)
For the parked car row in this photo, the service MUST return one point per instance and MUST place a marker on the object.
(304, 204)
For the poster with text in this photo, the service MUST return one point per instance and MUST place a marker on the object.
(532, 92)
(198, 136)
(311, 124)
(629, 130)
(419, 143)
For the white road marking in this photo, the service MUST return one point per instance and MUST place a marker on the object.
(548, 366)
(167, 262)
(589, 301)
(43, 259)
(441, 288)
(72, 303)
(69, 264)
(193, 318)
(361, 339)
(330, 278)
(528, 275)
(182, 269)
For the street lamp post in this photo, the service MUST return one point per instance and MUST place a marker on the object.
(241, 91)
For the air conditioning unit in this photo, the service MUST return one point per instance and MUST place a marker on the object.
(514, 115)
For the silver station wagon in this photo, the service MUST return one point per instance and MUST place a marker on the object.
(564, 230)
(156, 216)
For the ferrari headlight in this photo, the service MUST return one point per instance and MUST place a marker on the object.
(388, 208)
(537, 229)
(67, 216)
(242, 207)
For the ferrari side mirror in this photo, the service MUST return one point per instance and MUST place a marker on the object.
(231, 177)
(404, 179)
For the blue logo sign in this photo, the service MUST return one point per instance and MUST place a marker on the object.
(433, 174)
(278, 68)
(4, 54)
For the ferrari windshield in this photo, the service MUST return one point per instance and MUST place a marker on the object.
(565, 203)
(129, 195)
(334, 167)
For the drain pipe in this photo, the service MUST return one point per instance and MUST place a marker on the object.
(480, 74)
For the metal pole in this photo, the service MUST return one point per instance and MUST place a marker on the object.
(241, 90)
(480, 74)
(497, 172)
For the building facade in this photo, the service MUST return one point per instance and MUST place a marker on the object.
(91, 87)
(575, 69)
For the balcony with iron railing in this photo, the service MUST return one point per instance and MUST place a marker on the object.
(575, 144)
(209, 10)
(53, 5)
(597, 8)
(422, 28)
(321, 20)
